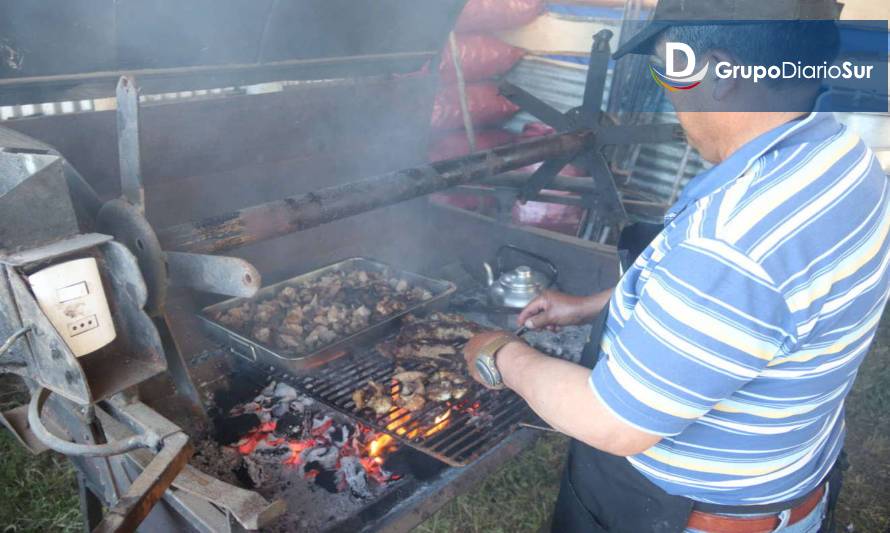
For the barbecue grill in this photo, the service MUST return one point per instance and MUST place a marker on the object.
(327, 168)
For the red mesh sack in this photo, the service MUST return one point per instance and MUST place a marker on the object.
(494, 15)
(481, 57)
(455, 144)
(486, 105)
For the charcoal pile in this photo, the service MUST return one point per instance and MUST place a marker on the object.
(281, 434)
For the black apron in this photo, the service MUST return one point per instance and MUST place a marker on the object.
(601, 492)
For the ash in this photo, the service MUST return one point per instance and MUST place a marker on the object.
(286, 446)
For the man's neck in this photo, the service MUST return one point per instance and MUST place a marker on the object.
(740, 128)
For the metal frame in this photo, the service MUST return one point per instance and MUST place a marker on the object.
(604, 203)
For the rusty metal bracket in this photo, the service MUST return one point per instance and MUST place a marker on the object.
(249, 509)
(149, 487)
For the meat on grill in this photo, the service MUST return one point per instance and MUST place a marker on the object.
(434, 337)
(373, 396)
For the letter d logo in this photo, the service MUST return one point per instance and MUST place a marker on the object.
(670, 54)
(679, 80)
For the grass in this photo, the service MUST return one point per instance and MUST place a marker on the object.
(39, 493)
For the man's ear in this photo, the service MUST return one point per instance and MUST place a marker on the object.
(722, 88)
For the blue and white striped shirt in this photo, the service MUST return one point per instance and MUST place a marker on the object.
(738, 333)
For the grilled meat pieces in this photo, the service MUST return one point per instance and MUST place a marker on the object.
(306, 316)
(373, 396)
(446, 385)
(434, 337)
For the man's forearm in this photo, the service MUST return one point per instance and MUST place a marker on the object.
(558, 392)
(595, 303)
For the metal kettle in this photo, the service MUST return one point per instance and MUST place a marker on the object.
(518, 287)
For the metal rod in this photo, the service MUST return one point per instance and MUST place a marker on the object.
(128, 147)
(462, 92)
(297, 213)
(7, 344)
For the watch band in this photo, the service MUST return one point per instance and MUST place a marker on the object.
(486, 362)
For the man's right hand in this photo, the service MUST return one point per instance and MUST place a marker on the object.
(554, 309)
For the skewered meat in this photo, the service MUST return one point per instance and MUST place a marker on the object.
(306, 316)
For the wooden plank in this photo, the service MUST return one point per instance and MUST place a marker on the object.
(551, 34)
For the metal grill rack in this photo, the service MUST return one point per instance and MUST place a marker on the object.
(477, 422)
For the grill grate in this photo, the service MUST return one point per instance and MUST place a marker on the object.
(476, 422)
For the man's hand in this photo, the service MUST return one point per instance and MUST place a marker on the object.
(554, 309)
(474, 346)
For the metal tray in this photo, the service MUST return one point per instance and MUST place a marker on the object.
(254, 351)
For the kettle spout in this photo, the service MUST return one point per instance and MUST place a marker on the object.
(489, 274)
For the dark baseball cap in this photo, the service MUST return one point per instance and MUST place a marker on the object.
(675, 12)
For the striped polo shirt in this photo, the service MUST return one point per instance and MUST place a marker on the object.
(738, 333)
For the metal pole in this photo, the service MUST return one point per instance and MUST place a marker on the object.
(297, 213)
(462, 92)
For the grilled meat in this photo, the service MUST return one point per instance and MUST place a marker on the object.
(412, 389)
(434, 337)
(373, 396)
(445, 385)
(306, 316)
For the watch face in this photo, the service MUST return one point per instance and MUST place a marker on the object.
(485, 373)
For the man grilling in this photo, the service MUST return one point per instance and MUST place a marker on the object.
(730, 344)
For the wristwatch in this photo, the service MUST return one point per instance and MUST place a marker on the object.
(486, 363)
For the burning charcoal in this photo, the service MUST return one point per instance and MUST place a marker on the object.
(269, 390)
(327, 479)
(325, 456)
(280, 409)
(339, 436)
(230, 430)
(251, 407)
(354, 474)
(321, 426)
(285, 392)
(272, 450)
(289, 424)
(301, 404)
(260, 474)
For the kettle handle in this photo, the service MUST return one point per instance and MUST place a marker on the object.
(554, 272)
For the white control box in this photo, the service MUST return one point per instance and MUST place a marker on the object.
(72, 297)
